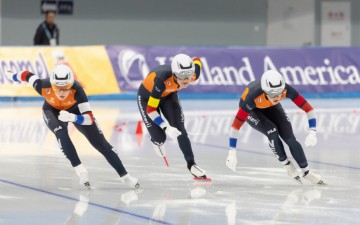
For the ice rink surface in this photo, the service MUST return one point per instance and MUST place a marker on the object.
(38, 186)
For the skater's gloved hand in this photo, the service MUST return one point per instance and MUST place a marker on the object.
(9, 75)
(231, 160)
(311, 139)
(172, 131)
(12, 77)
(65, 116)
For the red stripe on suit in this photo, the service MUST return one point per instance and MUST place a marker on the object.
(307, 107)
(299, 100)
(237, 123)
(23, 75)
(150, 109)
(242, 115)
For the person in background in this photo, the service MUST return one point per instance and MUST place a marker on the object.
(47, 32)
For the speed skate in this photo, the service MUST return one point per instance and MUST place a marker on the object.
(198, 173)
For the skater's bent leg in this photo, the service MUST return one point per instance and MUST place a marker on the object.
(62, 136)
(297, 152)
(98, 141)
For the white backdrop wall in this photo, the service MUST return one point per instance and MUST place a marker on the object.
(154, 22)
(143, 22)
(335, 23)
(291, 23)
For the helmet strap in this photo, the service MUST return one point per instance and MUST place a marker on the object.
(175, 79)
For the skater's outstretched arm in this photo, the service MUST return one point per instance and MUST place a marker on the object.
(301, 102)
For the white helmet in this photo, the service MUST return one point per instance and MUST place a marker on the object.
(272, 83)
(183, 67)
(61, 77)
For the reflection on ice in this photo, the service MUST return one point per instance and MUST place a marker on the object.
(38, 187)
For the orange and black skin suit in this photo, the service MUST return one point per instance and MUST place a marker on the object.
(271, 120)
(77, 103)
(158, 95)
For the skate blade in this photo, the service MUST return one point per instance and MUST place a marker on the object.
(87, 186)
(166, 162)
(322, 183)
(207, 179)
(298, 180)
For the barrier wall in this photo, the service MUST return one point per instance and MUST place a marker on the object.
(110, 72)
(24, 132)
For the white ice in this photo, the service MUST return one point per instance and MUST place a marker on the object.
(38, 185)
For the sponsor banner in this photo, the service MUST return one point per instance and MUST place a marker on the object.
(230, 69)
(107, 70)
(90, 64)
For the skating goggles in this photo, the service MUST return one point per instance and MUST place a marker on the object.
(58, 88)
(274, 94)
(184, 75)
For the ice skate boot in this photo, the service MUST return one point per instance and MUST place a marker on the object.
(313, 178)
(198, 173)
(130, 181)
(83, 175)
(292, 171)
